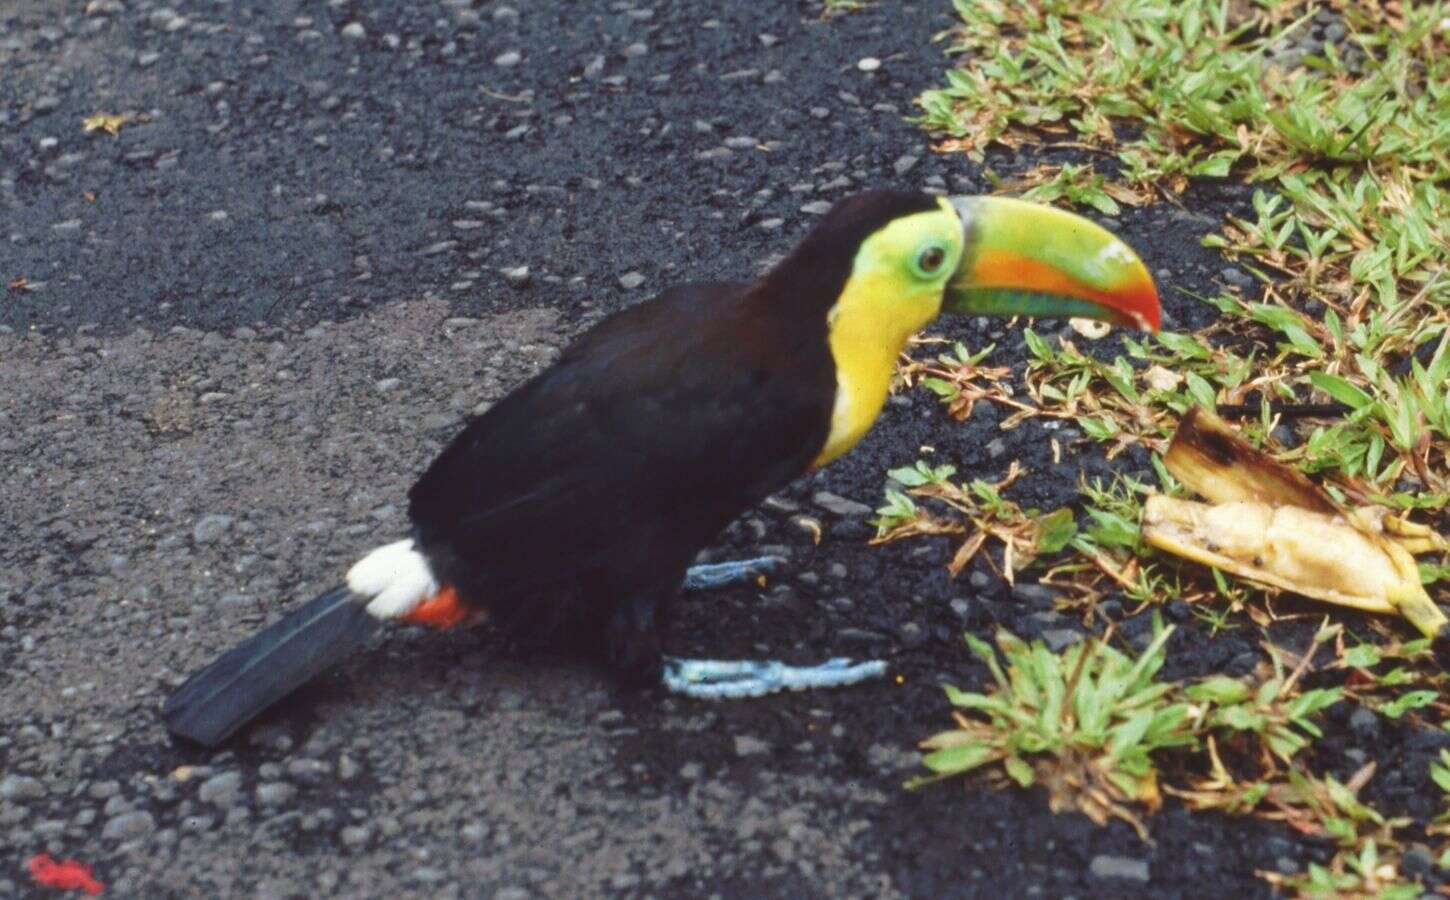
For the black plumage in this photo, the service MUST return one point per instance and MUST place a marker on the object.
(576, 503)
(579, 500)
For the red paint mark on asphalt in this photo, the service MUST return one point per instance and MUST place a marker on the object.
(67, 876)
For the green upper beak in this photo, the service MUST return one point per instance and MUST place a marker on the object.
(1025, 259)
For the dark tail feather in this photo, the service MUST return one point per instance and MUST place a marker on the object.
(240, 684)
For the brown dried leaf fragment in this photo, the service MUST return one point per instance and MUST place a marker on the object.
(108, 122)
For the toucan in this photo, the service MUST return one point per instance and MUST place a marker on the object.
(575, 506)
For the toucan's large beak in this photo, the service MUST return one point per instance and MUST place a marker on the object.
(1024, 259)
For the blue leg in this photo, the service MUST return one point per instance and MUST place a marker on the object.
(716, 575)
(718, 679)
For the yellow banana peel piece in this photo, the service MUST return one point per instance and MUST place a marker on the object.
(1269, 524)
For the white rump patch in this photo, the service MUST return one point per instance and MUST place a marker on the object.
(393, 579)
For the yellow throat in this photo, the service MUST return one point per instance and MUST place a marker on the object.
(881, 307)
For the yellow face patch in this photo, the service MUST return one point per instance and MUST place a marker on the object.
(894, 290)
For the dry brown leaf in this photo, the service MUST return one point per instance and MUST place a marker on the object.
(109, 123)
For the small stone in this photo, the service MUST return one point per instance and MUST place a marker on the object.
(437, 248)
(635, 50)
(995, 448)
(276, 793)
(1036, 595)
(21, 787)
(221, 790)
(197, 824)
(387, 384)
(869, 64)
(904, 164)
(886, 758)
(742, 142)
(1120, 867)
(912, 634)
(817, 208)
(129, 826)
(770, 224)
(1364, 723)
(308, 771)
(745, 745)
(1417, 862)
(354, 31)
(209, 529)
(1059, 639)
(355, 836)
(859, 636)
(835, 503)
(631, 280)
(162, 19)
(1237, 278)
(518, 276)
(508, 59)
(104, 790)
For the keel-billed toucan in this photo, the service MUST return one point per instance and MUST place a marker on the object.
(578, 502)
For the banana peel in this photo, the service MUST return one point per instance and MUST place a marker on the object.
(1269, 524)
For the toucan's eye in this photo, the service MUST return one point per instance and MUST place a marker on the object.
(929, 261)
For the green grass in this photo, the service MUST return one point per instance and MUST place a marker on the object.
(1350, 234)
(1348, 238)
(1093, 724)
(1085, 723)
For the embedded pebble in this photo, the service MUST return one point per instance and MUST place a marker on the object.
(221, 790)
(209, 529)
(276, 793)
(835, 503)
(129, 826)
(21, 787)
(1105, 866)
(745, 745)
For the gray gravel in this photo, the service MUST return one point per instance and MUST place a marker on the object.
(378, 762)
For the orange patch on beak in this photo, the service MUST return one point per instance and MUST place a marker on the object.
(1135, 305)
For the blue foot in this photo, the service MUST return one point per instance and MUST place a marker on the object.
(719, 679)
(715, 575)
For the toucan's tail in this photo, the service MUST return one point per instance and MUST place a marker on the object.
(394, 583)
(269, 665)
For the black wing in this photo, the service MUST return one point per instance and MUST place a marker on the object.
(627, 456)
